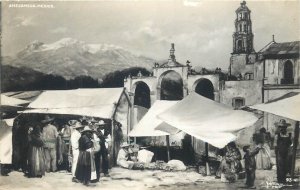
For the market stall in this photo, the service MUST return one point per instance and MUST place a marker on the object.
(146, 126)
(104, 103)
(214, 123)
(285, 106)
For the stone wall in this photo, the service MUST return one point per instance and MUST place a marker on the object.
(250, 90)
(274, 70)
(238, 64)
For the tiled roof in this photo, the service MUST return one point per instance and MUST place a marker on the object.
(282, 50)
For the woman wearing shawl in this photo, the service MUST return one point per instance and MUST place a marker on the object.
(36, 158)
(85, 170)
(231, 163)
(263, 158)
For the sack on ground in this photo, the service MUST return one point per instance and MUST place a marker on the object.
(145, 156)
(176, 165)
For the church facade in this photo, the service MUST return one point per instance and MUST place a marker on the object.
(253, 77)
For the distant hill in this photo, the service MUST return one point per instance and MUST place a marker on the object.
(25, 79)
(70, 58)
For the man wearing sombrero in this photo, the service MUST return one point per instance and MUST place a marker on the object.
(103, 153)
(75, 136)
(282, 143)
(50, 135)
(123, 156)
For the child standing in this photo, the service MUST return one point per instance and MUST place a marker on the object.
(250, 165)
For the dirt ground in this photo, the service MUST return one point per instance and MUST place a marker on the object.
(123, 179)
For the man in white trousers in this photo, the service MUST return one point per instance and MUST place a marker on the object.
(75, 135)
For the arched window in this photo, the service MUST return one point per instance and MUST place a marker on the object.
(246, 16)
(240, 27)
(238, 102)
(245, 28)
(240, 16)
(239, 45)
(249, 76)
(288, 73)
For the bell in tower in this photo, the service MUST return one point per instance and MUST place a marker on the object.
(243, 37)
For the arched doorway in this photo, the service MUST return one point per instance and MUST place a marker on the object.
(142, 95)
(205, 88)
(171, 86)
(142, 103)
(288, 73)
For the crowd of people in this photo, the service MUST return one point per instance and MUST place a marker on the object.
(79, 147)
(82, 147)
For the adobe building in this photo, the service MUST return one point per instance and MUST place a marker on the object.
(279, 68)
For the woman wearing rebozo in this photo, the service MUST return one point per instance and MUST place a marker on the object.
(36, 156)
(263, 158)
(86, 170)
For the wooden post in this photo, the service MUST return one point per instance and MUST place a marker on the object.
(168, 146)
(206, 160)
(128, 122)
(295, 144)
(113, 143)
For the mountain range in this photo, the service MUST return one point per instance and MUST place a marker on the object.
(70, 58)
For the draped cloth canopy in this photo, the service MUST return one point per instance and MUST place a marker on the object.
(146, 126)
(287, 106)
(206, 120)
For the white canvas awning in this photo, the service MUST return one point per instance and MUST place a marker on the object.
(146, 126)
(12, 104)
(100, 102)
(6, 141)
(206, 120)
(9, 101)
(287, 106)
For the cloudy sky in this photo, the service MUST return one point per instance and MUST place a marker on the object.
(201, 29)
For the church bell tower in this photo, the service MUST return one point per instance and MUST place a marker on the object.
(243, 37)
(243, 55)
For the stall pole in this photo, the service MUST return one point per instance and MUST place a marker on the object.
(295, 144)
(113, 142)
(206, 160)
(168, 146)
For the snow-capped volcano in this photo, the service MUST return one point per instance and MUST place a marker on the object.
(67, 42)
(70, 57)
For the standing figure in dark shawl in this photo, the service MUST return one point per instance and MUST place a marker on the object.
(250, 165)
(36, 156)
(263, 158)
(282, 143)
(85, 158)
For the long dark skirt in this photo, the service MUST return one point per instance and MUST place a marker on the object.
(83, 169)
(36, 161)
(282, 166)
